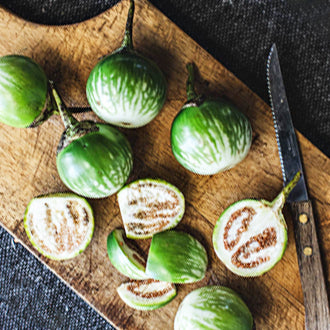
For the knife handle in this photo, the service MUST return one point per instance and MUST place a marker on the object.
(317, 315)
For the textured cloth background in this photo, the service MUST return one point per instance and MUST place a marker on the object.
(239, 34)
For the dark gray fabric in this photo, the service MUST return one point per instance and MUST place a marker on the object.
(31, 297)
(239, 34)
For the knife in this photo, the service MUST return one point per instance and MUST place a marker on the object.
(317, 315)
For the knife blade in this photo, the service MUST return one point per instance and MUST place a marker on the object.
(317, 315)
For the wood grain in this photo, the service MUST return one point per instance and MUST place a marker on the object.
(317, 315)
(28, 165)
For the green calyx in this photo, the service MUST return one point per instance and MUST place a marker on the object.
(73, 128)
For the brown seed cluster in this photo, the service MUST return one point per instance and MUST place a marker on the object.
(134, 287)
(266, 239)
(66, 239)
(243, 228)
(148, 228)
(154, 210)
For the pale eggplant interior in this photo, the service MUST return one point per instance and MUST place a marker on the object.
(148, 207)
(243, 254)
(133, 256)
(146, 292)
(59, 226)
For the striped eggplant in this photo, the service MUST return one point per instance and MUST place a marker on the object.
(176, 257)
(146, 294)
(149, 206)
(93, 159)
(125, 256)
(59, 226)
(125, 88)
(24, 97)
(213, 308)
(250, 236)
(209, 135)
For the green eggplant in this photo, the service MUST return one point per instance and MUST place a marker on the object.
(213, 308)
(250, 236)
(209, 135)
(176, 257)
(24, 97)
(93, 159)
(125, 88)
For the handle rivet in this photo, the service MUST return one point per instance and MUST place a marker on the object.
(308, 251)
(303, 218)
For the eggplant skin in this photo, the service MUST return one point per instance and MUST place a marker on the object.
(176, 257)
(126, 89)
(23, 90)
(98, 164)
(211, 137)
(213, 307)
(119, 258)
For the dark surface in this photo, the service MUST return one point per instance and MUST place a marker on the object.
(237, 33)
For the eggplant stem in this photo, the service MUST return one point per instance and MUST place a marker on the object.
(74, 110)
(191, 93)
(128, 40)
(279, 201)
(288, 188)
(79, 109)
(67, 118)
(49, 110)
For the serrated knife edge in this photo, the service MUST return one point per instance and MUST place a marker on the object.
(273, 113)
(288, 147)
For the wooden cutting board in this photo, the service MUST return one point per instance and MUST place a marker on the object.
(28, 165)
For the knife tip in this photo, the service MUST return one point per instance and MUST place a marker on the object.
(272, 48)
(272, 51)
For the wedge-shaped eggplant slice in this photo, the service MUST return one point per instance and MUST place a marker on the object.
(125, 256)
(149, 206)
(146, 294)
(59, 226)
(176, 257)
